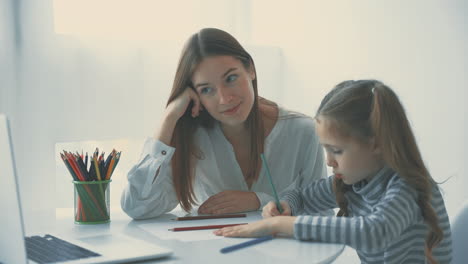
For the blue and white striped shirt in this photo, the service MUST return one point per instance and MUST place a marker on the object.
(385, 224)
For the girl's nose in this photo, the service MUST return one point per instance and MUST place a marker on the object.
(331, 162)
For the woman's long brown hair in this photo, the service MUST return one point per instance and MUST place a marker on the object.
(368, 109)
(207, 42)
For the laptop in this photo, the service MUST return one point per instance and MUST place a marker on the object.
(16, 248)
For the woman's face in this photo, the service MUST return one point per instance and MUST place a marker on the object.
(225, 89)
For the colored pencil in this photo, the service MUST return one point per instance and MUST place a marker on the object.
(246, 244)
(192, 228)
(278, 204)
(202, 217)
(90, 200)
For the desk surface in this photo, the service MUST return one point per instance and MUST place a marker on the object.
(279, 250)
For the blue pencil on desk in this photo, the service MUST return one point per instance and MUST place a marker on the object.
(278, 204)
(246, 244)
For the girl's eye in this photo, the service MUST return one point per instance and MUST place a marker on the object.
(337, 152)
(334, 151)
(231, 78)
(206, 90)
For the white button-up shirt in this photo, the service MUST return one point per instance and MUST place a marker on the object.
(292, 151)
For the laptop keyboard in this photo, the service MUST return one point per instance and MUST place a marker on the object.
(49, 249)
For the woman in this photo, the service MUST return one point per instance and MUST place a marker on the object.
(214, 129)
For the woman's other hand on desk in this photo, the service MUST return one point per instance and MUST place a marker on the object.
(265, 227)
(230, 201)
(271, 209)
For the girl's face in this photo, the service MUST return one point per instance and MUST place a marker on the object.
(225, 89)
(351, 160)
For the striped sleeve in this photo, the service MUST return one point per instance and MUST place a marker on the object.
(443, 251)
(316, 197)
(370, 233)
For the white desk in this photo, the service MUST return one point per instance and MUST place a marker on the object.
(279, 250)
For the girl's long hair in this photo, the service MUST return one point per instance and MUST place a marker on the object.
(368, 109)
(207, 42)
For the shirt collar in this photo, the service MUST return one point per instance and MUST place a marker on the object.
(373, 189)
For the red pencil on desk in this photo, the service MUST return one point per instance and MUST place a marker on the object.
(191, 228)
(202, 217)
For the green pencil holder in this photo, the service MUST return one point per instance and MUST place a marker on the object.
(92, 205)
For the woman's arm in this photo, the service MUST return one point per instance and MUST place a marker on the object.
(149, 191)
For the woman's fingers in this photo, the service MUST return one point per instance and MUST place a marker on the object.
(230, 201)
(209, 203)
(179, 105)
(196, 102)
(226, 201)
(219, 208)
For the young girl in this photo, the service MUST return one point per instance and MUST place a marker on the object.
(390, 208)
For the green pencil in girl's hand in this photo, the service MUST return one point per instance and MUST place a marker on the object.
(278, 204)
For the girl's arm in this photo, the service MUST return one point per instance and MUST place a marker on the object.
(267, 226)
(388, 221)
(317, 196)
(374, 232)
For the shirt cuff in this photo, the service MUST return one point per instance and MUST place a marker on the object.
(158, 150)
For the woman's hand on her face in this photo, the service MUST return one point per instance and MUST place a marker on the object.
(230, 201)
(270, 209)
(174, 112)
(268, 226)
(178, 106)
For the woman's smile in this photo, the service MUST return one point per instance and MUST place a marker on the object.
(232, 110)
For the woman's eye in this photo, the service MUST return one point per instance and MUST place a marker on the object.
(206, 90)
(231, 78)
(337, 152)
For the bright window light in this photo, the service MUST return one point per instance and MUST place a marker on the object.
(140, 19)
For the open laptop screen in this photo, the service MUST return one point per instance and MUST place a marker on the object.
(12, 248)
(108, 247)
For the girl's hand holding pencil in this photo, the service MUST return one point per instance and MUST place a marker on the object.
(270, 209)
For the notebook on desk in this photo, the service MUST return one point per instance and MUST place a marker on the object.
(49, 248)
